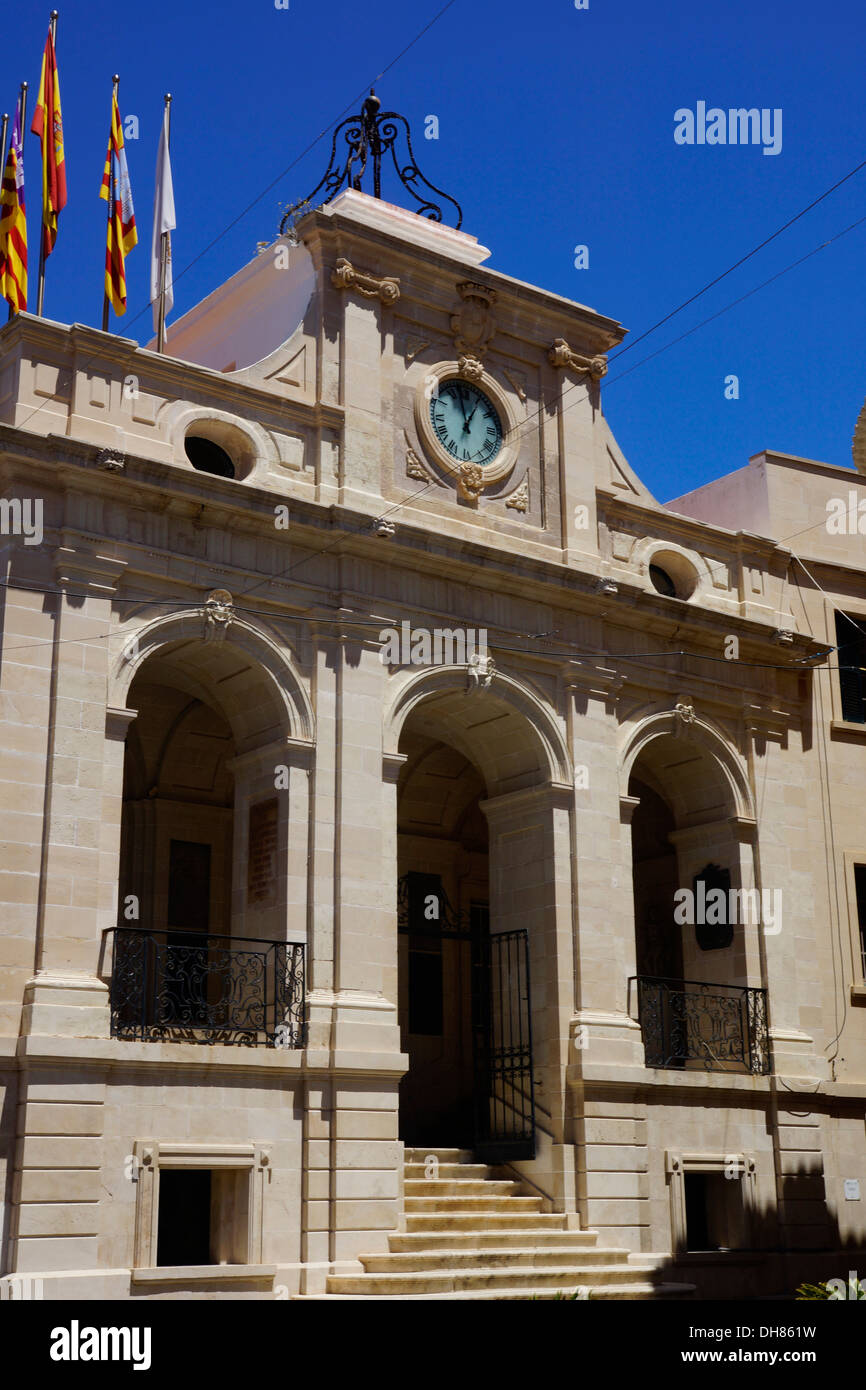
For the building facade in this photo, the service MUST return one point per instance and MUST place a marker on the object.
(387, 773)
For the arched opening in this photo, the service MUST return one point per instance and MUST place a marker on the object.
(444, 910)
(658, 937)
(478, 844)
(202, 950)
(696, 911)
(178, 808)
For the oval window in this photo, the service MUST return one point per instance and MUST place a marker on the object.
(662, 581)
(208, 457)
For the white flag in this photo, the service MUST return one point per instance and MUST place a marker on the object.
(163, 221)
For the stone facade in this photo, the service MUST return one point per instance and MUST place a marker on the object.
(199, 732)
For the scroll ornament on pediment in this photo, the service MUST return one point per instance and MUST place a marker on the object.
(346, 277)
(561, 355)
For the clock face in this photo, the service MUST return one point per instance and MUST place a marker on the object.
(466, 422)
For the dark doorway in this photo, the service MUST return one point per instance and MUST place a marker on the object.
(184, 1221)
(436, 1095)
(658, 938)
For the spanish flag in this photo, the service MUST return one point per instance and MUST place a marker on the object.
(48, 125)
(122, 235)
(13, 225)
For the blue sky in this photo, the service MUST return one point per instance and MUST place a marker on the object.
(556, 128)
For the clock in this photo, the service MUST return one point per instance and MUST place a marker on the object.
(465, 422)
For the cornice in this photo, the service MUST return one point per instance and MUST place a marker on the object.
(483, 562)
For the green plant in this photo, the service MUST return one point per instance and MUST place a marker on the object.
(832, 1289)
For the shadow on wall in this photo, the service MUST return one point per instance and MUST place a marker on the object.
(775, 1250)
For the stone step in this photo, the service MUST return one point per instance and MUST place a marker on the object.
(595, 1293)
(459, 1281)
(443, 1155)
(442, 1206)
(574, 1257)
(499, 1220)
(470, 1187)
(451, 1170)
(518, 1239)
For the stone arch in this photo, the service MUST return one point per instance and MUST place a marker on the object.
(505, 729)
(245, 673)
(709, 744)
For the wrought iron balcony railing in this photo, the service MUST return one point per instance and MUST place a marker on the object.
(694, 1023)
(176, 986)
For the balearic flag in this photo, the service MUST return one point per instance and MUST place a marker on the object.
(122, 235)
(48, 125)
(13, 224)
(163, 222)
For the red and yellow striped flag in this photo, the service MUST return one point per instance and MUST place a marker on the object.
(13, 225)
(122, 234)
(48, 125)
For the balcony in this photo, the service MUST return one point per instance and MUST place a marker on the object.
(693, 1025)
(176, 986)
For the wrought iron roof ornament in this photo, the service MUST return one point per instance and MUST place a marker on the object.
(370, 135)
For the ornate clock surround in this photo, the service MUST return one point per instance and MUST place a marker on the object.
(472, 479)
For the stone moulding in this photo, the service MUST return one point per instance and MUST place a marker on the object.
(471, 481)
(561, 355)
(518, 500)
(470, 367)
(414, 465)
(346, 277)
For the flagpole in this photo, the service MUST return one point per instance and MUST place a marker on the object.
(5, 119)
(22, 117)
(115, 83)
(40, 293)
(163, 243)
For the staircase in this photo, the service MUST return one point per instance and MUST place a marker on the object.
(470, 1234)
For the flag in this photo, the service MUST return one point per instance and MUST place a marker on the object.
(48, 125)
(13, 224)
(163, 221)
(122, 234)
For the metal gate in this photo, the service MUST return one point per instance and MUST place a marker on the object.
(504, 1100)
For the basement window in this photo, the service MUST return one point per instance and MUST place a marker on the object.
(203, 1216)
(197, 1206)
(714, 1212)
(208, 457)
